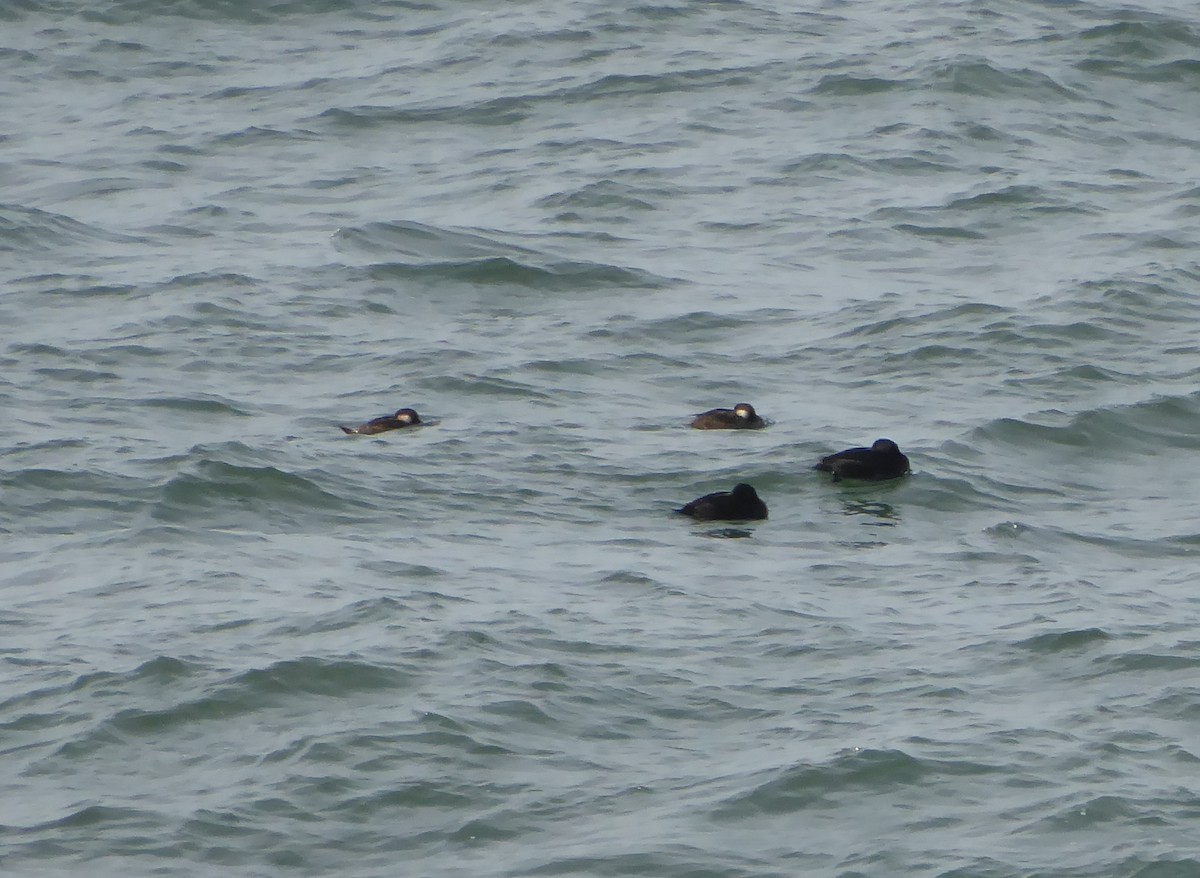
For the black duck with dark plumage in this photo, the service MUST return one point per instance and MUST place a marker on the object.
(740, 504)
(883, 460)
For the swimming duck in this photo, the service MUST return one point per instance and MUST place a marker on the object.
(740, 504)
(882, 460)
(741, 417)
(402, 418)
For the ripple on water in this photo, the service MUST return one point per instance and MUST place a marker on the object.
(1106, 432)
(271, 497)
(196, 694)
(1065, 641)
(812, 786)
(488, 648)
(28, 228)
(439, 255)
(65, 501)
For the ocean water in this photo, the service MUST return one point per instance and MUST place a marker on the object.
(234, 640)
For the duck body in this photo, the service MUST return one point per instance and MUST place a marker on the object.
(740, 504)
(401, 419)
(741, 417)
(882, 461)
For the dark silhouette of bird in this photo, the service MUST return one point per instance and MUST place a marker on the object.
(740, 504)
(402, 418)
(883, 460)
(741, 417)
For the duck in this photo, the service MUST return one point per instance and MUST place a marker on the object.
(740, 504)
(402, 418)
(741, 417)
(883, 460)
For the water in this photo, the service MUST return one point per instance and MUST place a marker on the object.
(236, 640)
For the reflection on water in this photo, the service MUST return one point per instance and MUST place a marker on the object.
(885, 513)
(729, 533)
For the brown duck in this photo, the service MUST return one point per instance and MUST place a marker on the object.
(402, 418)
(741, 417)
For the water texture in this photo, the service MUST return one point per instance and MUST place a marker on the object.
(237, 641)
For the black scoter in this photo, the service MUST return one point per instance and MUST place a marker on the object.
(881, 461)
(740, 504)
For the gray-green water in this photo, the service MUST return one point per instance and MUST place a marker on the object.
(238, 642)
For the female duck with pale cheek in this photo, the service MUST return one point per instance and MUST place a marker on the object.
(741, 417)
(402, 418)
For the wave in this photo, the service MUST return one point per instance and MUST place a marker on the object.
(967, 76)
(371, 611)
(489, 387)
(982, 214)
(1103, 813)
(560, 276)
(1061, 542)
(133, 12)
(839, 165)
(1065, 641)
(808, 786)
(200, 404)
(1144, 50)
(514, 109)
(49, 500)
(221, 492)
(847, 85)
(1144, 427)
(495, 111)
(260, 135)
(982, 79)
(175, 694)
(625, 85)
(217, 486)
(608, 196)
(28, 228)
(1011, 196)
(436, 254)
(76, 285)
(1148, 38)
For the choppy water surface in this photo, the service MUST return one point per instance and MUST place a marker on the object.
(236, 640)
